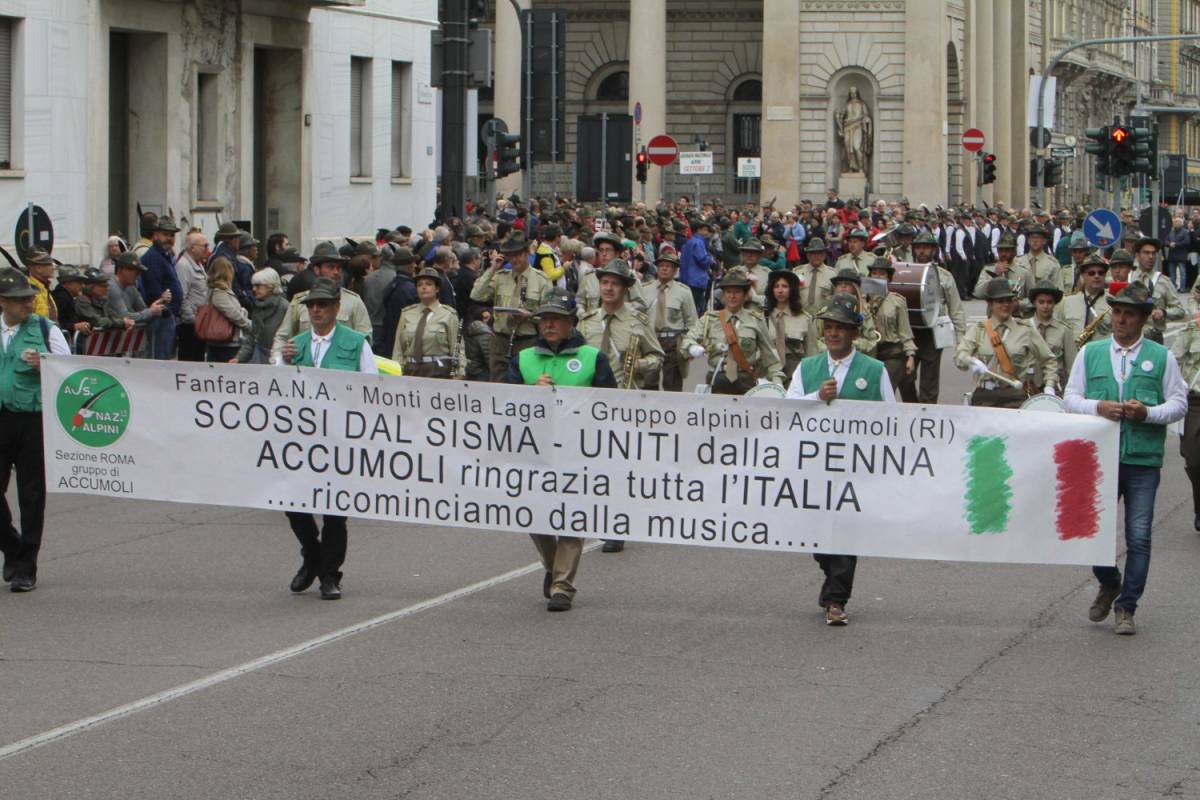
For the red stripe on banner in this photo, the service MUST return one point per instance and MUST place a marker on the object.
(1078, 484)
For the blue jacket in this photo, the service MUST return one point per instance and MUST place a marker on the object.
(160, 276)
(695, 262)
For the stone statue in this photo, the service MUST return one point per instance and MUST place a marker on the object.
(854, 127)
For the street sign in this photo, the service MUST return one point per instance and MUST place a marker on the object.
(637, 113)
(749, 167)
(662, 150)
(973, 140)
(1062, 152)
(1102, 227)
(34, 232)
(698, 162)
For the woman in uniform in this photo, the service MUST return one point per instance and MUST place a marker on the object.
(735, 340)
(427, 335)
(1045, 296)
(788, 326)
(1001, 351)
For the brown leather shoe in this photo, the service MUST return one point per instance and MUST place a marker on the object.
(1124, 623)
(835, 614)
(1103, 603)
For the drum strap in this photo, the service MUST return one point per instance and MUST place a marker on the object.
(735, 349)
(998, 348)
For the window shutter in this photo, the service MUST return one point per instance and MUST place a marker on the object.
(356, 120)
(6, 29)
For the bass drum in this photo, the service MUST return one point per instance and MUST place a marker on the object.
(918, 284)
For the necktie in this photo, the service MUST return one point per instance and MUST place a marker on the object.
(318, 346)
(1124, 351)
(812, 290)
(780, 336)
(833, 369)
(606, 339)
(418, 348)
(660, 310)
(731, 363)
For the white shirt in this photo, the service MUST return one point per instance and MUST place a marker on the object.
(1124, 362)
(319, 346)
(58, 343)
(838, 370)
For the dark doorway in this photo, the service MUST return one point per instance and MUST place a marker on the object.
(137, 133)
(118, 136)
(603, 164)
(747, 143)
(278, 127)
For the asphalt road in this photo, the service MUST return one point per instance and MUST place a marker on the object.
(162, 656)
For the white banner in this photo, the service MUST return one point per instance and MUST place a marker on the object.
(696, 162)
(907, 481)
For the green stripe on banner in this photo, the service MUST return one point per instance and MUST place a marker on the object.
(986, 477)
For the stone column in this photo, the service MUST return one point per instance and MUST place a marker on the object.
(925, 168)
(509, 83)
(1019, 122)
(781, 103)
(981, 104)
(648, 85)
(1002, 94)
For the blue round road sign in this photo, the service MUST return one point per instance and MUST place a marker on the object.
(1102, 228)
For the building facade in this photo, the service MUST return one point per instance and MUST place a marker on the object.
(309, 117)
(768, 79)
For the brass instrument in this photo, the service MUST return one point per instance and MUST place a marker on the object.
(1089, 329)
(629, 362)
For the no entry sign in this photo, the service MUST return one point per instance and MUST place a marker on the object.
(662, 150)
(973, 140)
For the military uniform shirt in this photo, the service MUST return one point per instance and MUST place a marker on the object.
(815, 292)
(753, 337)
(1020, 280)
(1186, 348)
(799, 334)
(506, 288)
(627, 324)
(861, 262)
(759, 275)
(1061, 341)
(1166, 299)
(890, 314)
(440, 337)
(352, 313)
(1026, 350)
(587, 296)
(680, 311)
(1073, 310)
(1043, 267)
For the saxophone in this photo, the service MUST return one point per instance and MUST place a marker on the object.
(1089, 329)
(629, 362)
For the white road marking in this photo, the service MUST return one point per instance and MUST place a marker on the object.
(120, 712)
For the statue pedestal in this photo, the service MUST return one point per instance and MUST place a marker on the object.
(852, 186)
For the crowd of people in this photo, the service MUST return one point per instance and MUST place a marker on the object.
(789, 302)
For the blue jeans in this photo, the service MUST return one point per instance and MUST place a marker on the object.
(1137, 485)
(162, 337)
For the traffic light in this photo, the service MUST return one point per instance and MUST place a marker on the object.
(1153, 156)
(1140, 148)
(1052, 171)
(1100, 145)
(508, 153)
(1121, 157)
(987, 172)
(641, 165)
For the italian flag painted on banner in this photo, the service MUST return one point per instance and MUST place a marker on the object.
(989, 496)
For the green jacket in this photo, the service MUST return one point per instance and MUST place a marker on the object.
(345, 349)
(1141, 442)
(21, 384)
(862, 381)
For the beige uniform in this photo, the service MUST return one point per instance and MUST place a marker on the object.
(624, 326)
(1061, 341)
(954, 306)
(587, 296)
(794, 336)
(903, 254)
(1166, 299)
(439, 342)
(755, 341)
(861, 262)
(506, 288)
(1031, 358)
(815, 287)
(1074, 310)
(352, 314)
(1020, 280)
(759, 275)
(671, 311)
(1043, 267)
(1186, 347)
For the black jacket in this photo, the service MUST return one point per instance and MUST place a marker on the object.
(399, 296)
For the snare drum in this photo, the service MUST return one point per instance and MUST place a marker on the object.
(772, 390)
(1044, 402)
(921, 289)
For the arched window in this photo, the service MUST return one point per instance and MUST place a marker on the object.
(614, 88)
(749, 91)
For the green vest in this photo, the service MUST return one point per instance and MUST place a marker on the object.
(1141, 442)
(21, 384)
(344, 353)
(862, 380)
(572, 367)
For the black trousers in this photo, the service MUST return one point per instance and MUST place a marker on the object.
(925, 383)
(324, 551)
(191, 347)
(839, 578)
(21, 448)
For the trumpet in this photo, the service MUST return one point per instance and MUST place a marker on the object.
(1089, 329)
(629, 363)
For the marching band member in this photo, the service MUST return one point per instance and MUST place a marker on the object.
(427, 335)
(735, 340)
(1002, 345)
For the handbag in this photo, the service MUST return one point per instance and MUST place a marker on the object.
(211, 325)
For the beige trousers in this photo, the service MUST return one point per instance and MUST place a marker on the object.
(560, 556)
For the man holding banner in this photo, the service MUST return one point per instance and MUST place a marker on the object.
(559, 357)
(1137, 383)
(330, 345)
(840, 372)
(24, 336)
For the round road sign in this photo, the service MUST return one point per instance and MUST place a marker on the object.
(973, 140)
(38, 236)
(662, 150)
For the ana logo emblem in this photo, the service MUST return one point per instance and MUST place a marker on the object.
(574, 365)
(861, 383)
(93, 407)
(1147, 365)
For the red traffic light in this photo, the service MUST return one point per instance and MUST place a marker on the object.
(1119, 135)
(989, 158)
(641, 157)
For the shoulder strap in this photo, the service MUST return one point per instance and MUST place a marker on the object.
(45, 326)
(999, 349)
(731, 339)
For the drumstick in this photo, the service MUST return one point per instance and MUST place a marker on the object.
(1005, 379)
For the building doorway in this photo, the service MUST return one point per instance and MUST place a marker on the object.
(604, 162)
(278, 130)
(137, 133)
